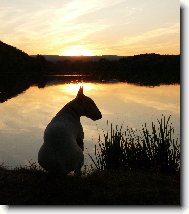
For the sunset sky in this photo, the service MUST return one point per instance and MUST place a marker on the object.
(93, 27)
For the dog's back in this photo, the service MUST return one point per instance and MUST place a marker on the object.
(60, 151)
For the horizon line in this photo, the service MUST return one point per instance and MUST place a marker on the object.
(104, 55)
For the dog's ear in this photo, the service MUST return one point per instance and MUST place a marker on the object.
(80, 92)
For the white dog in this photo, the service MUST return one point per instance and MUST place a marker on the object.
(62, 150)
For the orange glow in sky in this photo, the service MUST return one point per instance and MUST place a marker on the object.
(95, 27)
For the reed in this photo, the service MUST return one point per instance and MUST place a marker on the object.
(154, 148)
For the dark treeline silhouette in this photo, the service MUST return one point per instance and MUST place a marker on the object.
(16, 62)
(145, 69)
(18, 70)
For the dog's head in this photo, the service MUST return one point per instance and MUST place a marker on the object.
(88, 106)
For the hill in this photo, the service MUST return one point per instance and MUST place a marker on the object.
(145, 69)
(56, 58)
(14, 61)
(18, 71)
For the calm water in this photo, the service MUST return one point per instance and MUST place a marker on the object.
(24, 118)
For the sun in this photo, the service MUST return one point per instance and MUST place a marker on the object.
(77, 52)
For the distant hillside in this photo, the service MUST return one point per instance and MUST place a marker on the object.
(10, 50)
(14, 61)
(56, 58)
(18, 71)
(144, 69)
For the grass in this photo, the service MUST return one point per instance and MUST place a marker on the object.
(148, 149)
(26, 186)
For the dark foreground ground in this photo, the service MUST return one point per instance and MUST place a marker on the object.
(34, 187)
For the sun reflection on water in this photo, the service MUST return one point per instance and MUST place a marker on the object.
(73, 88)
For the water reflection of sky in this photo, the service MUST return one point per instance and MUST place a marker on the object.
(24, 118)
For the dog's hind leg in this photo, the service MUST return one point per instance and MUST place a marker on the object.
(79, 165)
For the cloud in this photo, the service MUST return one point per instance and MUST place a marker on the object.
(46, 27)
(164, 39)
(159, 32)
(49, 26)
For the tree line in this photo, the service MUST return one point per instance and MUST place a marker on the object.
(18, 71)
(140, 69)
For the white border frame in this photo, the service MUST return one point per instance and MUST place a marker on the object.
(185, 148)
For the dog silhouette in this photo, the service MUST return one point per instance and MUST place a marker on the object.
(62, 150)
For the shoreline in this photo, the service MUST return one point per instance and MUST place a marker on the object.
(110, 187)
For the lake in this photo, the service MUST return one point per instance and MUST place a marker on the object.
(25, 117)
